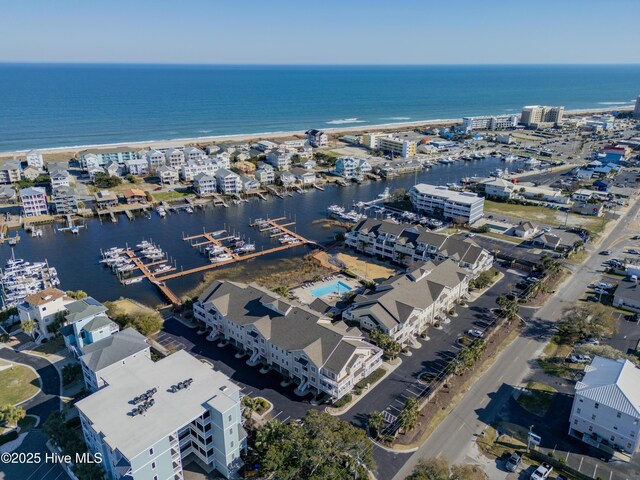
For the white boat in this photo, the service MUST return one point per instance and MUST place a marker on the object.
(37, 232)
(510, 158)
(386, 194)
(189, 210)
(223, 257)
(214, 249)
(248, 248)
(335, 209)
(446, 161)
(131, 281)
(161, 211)
(162, 269)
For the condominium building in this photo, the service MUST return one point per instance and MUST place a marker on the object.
(317, 354)
(64, 200)
(489, 122)
(370, 140)
(280, 160)
(448, 204)
(194, 154)
(636, 110)
(192, 413)
(405, 305)
(205, 185)
(44, 308)
(137, 166)
(10, 172)
(155, 159)
(100, 157)
(228, 182)
(34, 201)
(606, 406)
(60, 178)
(351, 167)
(35, 159)
(115, 351)
(174, 157)
(397, 147)
(189, 170)
(317, 138)
(541, 116)
(406, 243)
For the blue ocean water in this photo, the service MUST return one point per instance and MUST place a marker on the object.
(68, 105)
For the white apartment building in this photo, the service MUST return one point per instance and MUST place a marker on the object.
(174, 158)
(489, 122)
(189, 170)
(317, 354)
(99, 358)
(137, 166)
(194, 154)
(448, 204)
(279, 160)
(191, 412)
(205, 185)
(34, 201)
(228, 182)
(541, 116)
(100, 157)
(43, 308)
(351, 167)
(35, 159)
(404, 306)
(606, 406)
(155, 159)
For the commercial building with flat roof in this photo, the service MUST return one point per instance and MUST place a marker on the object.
(541, 116)
(448, 204)
(489, 122)
(397, 147)
(191, 413)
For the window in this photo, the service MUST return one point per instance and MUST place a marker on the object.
(575, 422)
(596, 405)
(590, 428)
(619, 414)
(155, 477)
(231, 444)
(153, 465)
(593, 417)
(151, 451)
(578, 410)
(229, 417)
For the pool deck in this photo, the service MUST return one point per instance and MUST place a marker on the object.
(304, 295)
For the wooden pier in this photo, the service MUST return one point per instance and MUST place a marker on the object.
(166, 291)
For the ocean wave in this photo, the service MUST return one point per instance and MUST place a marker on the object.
(396, 118)
(613, 103)
(341, 121)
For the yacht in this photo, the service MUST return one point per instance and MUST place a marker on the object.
(223, 257)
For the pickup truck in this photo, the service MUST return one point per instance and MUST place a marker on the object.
(542, 472)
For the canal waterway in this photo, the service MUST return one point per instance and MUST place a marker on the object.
(76, 257)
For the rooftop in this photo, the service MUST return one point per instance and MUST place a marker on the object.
(44, 296)
(453, 195)
(109, 409)
(113, 349)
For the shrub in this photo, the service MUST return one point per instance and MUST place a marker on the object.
(341, 402)
(371, 378)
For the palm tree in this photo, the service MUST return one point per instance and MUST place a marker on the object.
(409, 415)
(11, 414)
(510, 306)
(28, 327)
(376, 423)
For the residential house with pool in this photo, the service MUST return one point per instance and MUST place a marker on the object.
(320, 356)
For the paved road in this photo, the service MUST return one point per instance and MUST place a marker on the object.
(34, 442)
(456, 434)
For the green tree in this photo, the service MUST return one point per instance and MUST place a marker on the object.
(376, 423)
(28, 327)
(468, 472)
(430, 469)
(509, 307)
(408, 418)
(11, 414)
(320, 447)
(582, 321)
(71, 373)
(104, 180)
(391, 348)
(77, 295)
(483, 280)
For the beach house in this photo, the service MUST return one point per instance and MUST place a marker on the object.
(34, 201)
(205, 185)
(174, 158)
(10, 172)
(35, 159)
(64, 200)
(317, 138)
(228, 182)
(167, 175)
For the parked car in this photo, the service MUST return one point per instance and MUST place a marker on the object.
(633, 251)
(579, 358)
(542, 472)
(604, 286)
(605, 252)
(475, 333)
(512, 462)
(601, 291)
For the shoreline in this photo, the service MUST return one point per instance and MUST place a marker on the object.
(243, 137)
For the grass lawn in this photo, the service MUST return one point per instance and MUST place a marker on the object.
(166, 196)
(504, 238)
(17, 384)
(129, 307)
(525, 212)
(553, 361)
(499, 446)
(52, 346)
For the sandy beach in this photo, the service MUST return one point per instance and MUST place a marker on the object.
(59, 153)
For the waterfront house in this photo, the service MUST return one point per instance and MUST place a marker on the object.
(10, 172)
(317, 138)
(137, 166)
(405, 305)
(134, 195)
(34, 201)
(105, 199)
(404, 243)
(30, 173)
(174, 158)
(249, 183)
(606, 406)
(279, 160)
(265, 173)
(448, 204)
(498, 187)
(193, 414)
(60, 178)
(64, 200)
(7, 194)
(266, 145)
(351, 167)
(100, 157)
(155, 158)
(113, 352)
(46, 309)
(545, 194)
(304, 177)
(228, 182)
(244, 168)
(286, 179)
(35, 159)
(167, 175)
(205, 185)
(86, 322)
(319, 355)
(194, 154)
(309, 164)
(189, 170)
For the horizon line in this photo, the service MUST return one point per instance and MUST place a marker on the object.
(121, 63)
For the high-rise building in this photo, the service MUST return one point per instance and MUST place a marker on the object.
(636, 110)
(541, 116)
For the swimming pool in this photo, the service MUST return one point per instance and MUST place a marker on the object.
(334, 287)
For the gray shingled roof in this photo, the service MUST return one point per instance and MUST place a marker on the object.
(113, 349)
(84, 308)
